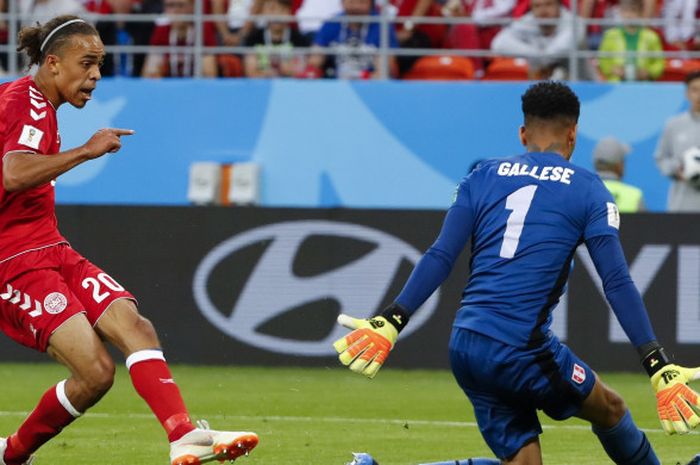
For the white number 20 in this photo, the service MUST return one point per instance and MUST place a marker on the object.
(103, 278)
(519, 203)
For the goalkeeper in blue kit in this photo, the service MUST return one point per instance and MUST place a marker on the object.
(525, 217)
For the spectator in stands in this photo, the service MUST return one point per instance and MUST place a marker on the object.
(312, 13)
(358, 42)
(274, 45)
(4, 65)
(234, 31)
(176, 33)
(609, 162)
(608, 9)
(413, 33)
(480, 34)
(630, 37)
(44, 10)
(41, 10)
(124, 33)
(680, 136)
(544, 45)
(680, 24)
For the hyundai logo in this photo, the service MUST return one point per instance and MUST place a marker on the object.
(273, 288)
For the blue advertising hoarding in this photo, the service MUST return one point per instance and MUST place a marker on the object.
(339, 143)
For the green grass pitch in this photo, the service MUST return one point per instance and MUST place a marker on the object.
(312, 417)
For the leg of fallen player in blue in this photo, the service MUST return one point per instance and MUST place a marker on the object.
(625, 443)
(467, 462)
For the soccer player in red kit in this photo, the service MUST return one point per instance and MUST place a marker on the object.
(51, 298)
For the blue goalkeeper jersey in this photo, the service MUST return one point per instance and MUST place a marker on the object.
(525, 216)
(530, 214)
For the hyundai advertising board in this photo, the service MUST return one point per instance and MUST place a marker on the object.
(264, 286)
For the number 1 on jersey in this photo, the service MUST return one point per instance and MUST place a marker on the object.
(519, 203)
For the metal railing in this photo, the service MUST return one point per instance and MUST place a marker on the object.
(573, 56)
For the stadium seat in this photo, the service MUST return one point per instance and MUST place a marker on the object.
(507, 69)
(441, 68)
(229, 66)
(676, 69)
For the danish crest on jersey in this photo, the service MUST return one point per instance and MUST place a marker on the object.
(55, 303)
(31, 136)
(579, 374)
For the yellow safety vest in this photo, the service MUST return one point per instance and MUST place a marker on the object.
(628, 198)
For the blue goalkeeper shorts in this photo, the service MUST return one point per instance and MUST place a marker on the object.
(507, 385)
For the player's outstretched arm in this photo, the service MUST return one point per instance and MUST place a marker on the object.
(366, 348)
(25, 170)
(677, 404)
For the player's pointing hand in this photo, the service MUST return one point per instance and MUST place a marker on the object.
(106, 140)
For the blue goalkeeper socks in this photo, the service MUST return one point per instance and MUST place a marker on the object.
(468, 462)
(625, 444)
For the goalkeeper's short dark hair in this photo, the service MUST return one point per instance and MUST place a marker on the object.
(550, 101)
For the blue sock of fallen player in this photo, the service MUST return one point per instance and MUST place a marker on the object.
(626, 444)
(468, 462)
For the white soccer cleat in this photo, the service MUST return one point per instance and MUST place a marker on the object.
(203, 445)
(3, 446)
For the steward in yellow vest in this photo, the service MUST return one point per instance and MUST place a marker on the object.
(609, 161)
(629, 199)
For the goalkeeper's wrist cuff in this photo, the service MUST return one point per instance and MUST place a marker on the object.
(396, 315)
(655, 359)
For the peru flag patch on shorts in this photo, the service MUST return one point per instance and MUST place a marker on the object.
(579, 374)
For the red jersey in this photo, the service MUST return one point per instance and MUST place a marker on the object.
(435, 32)
(181, 65)
(27, 124)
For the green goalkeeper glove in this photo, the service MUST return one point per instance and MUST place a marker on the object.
(677, 404)
(366, 348)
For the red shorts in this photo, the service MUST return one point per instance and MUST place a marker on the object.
(40, 290)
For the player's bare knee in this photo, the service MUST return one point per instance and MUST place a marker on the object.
(137, 323)
(615, 405)
(88, 386)
(145, 328)
(100, 377)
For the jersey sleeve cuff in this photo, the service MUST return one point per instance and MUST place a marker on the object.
(396, 315)
(655, 360)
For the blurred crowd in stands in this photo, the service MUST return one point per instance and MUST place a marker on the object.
(509, 39)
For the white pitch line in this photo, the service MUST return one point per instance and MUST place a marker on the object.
(291, 418)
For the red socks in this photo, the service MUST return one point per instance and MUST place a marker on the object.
(152, 379)
(53, 413)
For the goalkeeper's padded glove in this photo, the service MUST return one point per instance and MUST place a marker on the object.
(366, 347)
(677, 404)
